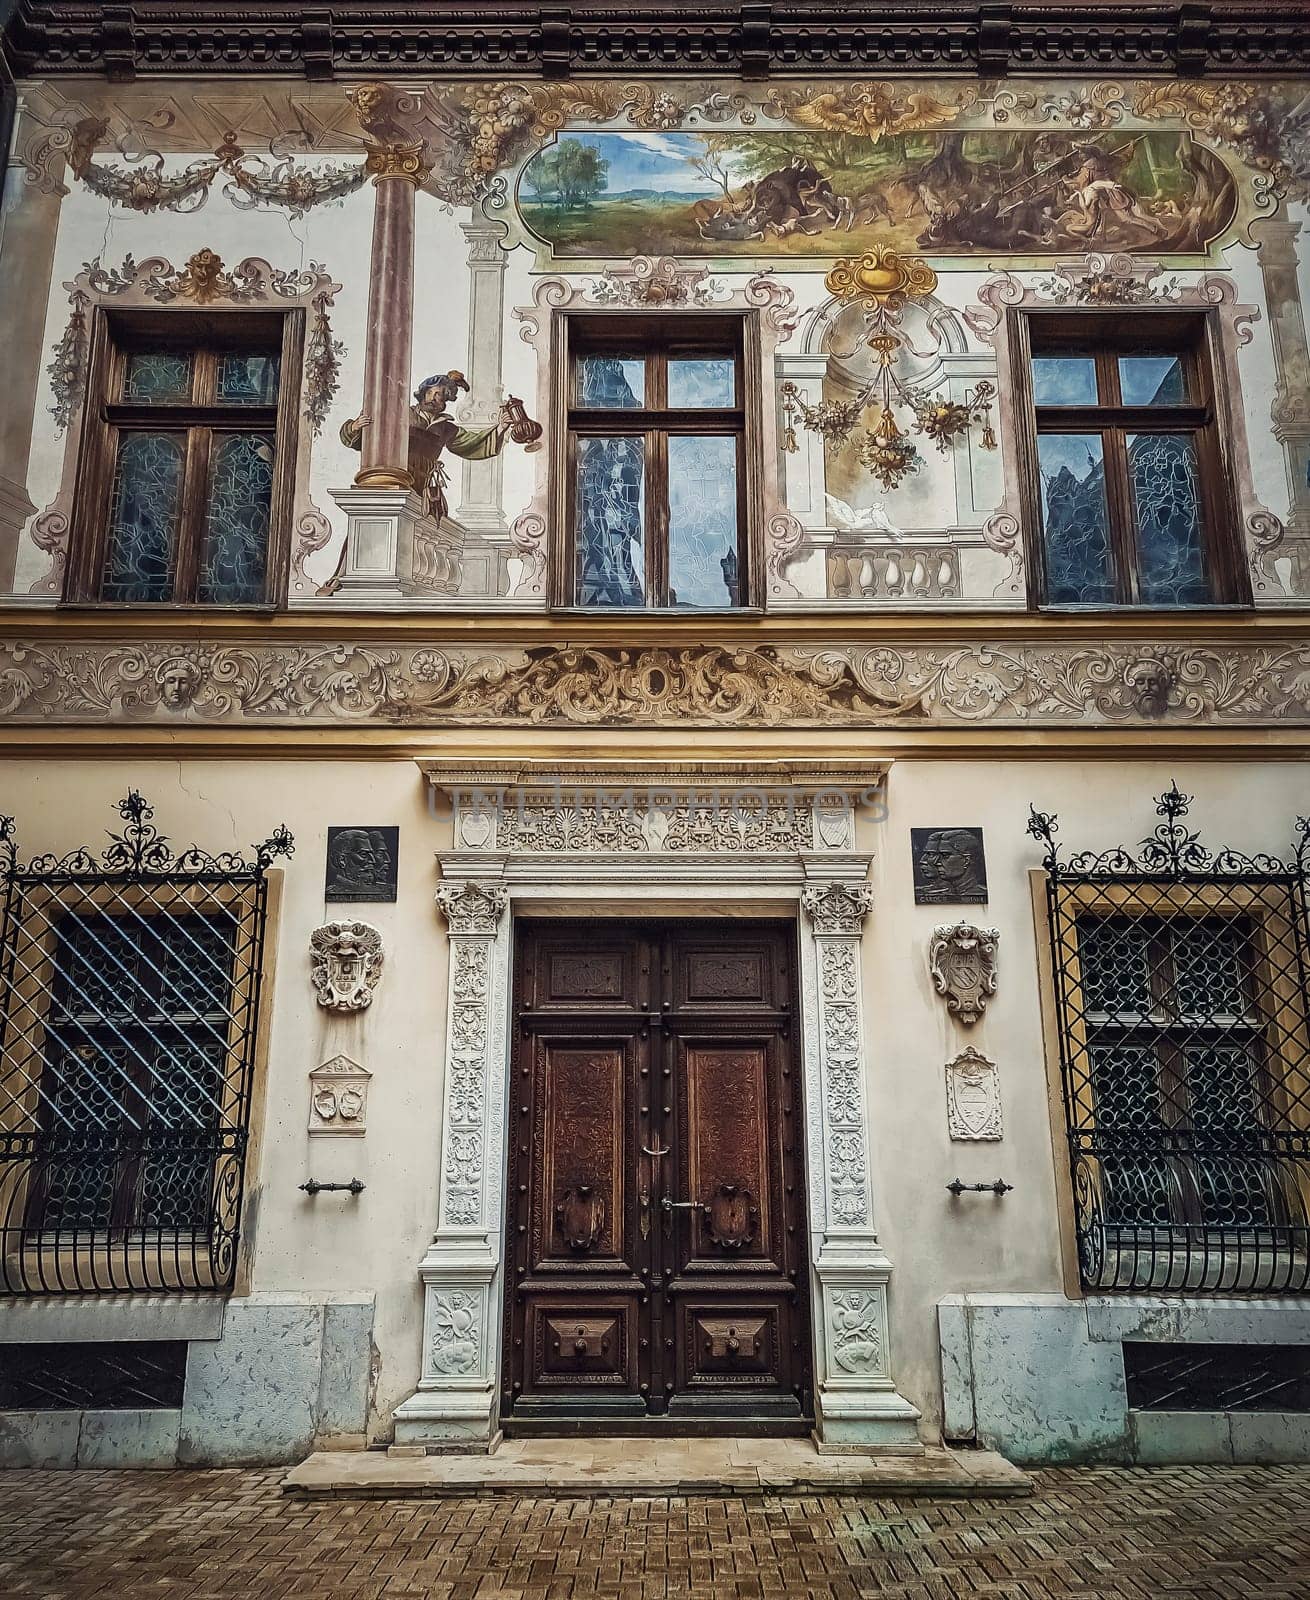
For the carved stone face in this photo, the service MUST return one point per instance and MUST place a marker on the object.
(1149, 683)
(179, 683)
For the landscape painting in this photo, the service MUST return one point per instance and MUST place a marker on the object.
(939, 192)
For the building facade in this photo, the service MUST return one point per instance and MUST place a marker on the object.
(759, 603)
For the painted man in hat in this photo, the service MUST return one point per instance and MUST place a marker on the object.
(433, 432)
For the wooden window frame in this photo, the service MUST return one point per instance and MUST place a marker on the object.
(1105, 336)
(657, 337)
(114, 336)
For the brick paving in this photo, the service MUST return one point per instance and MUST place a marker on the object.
(1210, 1533)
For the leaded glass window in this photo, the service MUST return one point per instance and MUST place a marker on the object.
(188, 465)
(1128, 498)
(656, 426)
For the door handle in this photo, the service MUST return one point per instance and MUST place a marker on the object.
(681, 1205)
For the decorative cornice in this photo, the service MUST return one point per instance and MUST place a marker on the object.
(258, 684)
(986, 37)
(591, 775)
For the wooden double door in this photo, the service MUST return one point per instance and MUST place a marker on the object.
(656, 1221)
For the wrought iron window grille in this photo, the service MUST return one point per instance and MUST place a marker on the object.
(1182, 988)
(129, 999)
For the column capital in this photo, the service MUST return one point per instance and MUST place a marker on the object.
(837, 908)
(472, 907)
(408, 161)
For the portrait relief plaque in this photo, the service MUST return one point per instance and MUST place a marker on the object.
(361, 864)
(949, 869)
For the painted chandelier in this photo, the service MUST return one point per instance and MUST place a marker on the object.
(883, 281)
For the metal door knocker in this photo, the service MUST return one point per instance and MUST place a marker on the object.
(581, 1217)
(731, 1217)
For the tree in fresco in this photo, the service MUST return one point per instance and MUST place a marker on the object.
(569, 176)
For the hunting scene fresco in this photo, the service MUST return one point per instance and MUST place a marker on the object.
(940, 191)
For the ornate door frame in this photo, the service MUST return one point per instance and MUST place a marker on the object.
(576, 839)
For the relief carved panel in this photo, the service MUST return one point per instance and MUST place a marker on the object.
(345, 964)
(962, 961)
(293, 685)
(973, 1097)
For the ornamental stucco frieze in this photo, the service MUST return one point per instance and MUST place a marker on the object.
(270, 684)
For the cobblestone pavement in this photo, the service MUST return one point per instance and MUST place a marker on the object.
(1216, 1533)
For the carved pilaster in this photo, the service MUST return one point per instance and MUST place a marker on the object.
(836, 913)
(457, 1380)
(473, 913)
(858, 1407)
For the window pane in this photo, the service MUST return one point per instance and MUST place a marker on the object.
(1214, 966)
(1162, 473)
(1152, 381)
(1114, 964)
(143, 516)
(610, 521)
(1064, 380)
(703, 562)
(245, 380)
(235, 548)
(1075, 519)
(157, 377)
(616, 382)
(703, 381)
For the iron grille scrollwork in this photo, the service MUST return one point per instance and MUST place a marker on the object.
(1182, 986)
(129, 998)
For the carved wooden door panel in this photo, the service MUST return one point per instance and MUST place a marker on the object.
(656, 1221)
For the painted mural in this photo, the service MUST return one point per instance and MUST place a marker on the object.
(891, 478)
(823, 193)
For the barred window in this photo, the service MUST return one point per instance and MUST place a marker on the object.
(129, 1006)
(1176, 1042)
(1181, 987)
(133, 1088)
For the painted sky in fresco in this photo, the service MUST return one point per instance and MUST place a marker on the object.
(654, 162)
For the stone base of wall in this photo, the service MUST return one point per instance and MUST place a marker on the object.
(268, 1379)
(1041, 1378)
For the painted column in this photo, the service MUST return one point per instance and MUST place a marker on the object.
(29, 227)
(393, 553)
(454, 1401)
(857, 1406)
(1290, 412)
(398, 170)
(481, 509)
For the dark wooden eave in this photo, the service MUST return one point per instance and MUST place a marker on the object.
(509, 38)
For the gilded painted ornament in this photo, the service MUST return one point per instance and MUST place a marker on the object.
(882, 275)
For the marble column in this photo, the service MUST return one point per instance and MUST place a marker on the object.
(857, 1406)
(1290, 412)
(29, 227)
(454, 1403)
(481, 508)
(398, 170)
